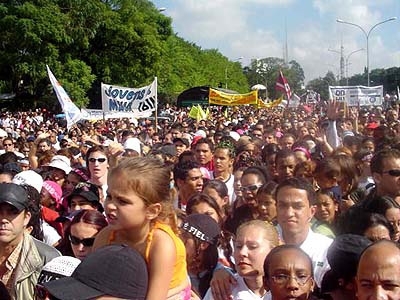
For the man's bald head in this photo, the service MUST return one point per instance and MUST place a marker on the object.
(384, 246)
(378, 273)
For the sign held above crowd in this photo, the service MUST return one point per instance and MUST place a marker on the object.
(357, 95)
(136, 102)
(221, 98)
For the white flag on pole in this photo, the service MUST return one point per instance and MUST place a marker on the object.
(295, 101)
(71, 111)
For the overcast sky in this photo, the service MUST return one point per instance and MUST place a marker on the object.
(256, 29)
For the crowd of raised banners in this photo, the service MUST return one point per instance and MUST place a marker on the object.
(126, 102)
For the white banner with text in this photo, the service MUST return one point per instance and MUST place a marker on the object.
(357, 95)
(135, 102)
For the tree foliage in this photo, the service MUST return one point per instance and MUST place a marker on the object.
(36, 33)
(120, 42)
(321, 84)
(265, 71)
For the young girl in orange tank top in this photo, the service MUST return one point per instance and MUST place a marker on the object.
(140, 214)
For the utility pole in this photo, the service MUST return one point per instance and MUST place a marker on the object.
(342, 64)
(286, 58)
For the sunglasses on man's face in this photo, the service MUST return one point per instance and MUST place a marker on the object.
(251, 188)
(100, 160)
(394, 173)
(88, 242)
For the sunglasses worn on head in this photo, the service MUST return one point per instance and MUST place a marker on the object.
(85, 242)
(394, 173)
(84, 186)
(251, 188)
(100, 160)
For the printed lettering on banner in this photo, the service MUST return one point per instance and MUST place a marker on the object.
(357, 95)
(136, 101)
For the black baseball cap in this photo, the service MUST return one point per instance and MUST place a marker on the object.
(202, 227)
(14, 195)
(114, 270)
(182, 140)
(86, 190)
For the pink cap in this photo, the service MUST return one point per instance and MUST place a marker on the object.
(54, 190)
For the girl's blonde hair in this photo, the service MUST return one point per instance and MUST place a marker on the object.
(270, 232)
(149, 179)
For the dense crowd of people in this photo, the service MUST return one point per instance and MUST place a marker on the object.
(277, 203)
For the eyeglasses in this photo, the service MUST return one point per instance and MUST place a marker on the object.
(85, 242)
(250, 188)
(284, 279)
(100, 160)
(394, 173)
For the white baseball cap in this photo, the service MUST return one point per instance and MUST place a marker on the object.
(29, 177)
(61, 162)
(133, 144)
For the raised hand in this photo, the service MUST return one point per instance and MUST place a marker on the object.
(333, 110)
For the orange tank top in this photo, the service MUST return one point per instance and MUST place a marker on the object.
(180, 272)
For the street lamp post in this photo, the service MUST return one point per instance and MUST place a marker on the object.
(366, 36)
(347, 63)
(226, 71)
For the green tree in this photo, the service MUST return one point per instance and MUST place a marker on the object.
(265, 71)
(321, 85)
(36, 33)
(186, 65)
(392, 80)
(295, 75)
(120, 42)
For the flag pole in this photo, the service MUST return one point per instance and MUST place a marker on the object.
(156, 105)
(398, 93)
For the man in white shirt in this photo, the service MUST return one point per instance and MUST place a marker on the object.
(296, 204)
(224, 156)
(189, 180)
